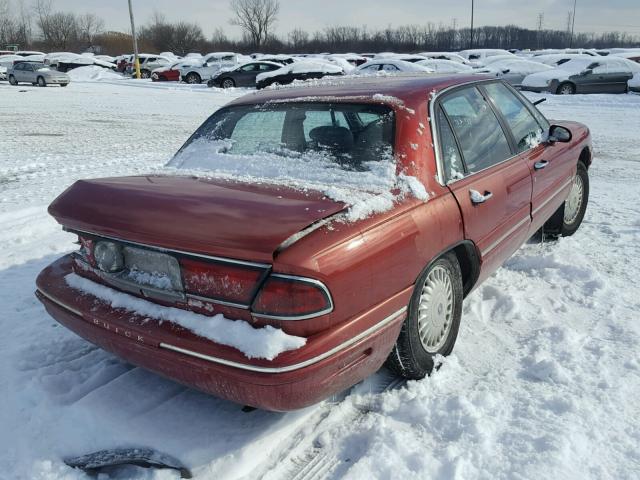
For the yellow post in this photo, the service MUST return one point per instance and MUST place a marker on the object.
(137, 64)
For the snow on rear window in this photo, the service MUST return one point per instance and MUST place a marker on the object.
(342, 150)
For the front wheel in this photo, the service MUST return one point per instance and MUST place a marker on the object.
(228, 83)
(193, 78)
(41, 82)
(566, 88)
(432, 322)
(12, 80)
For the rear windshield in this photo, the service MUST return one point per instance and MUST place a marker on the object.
(352, 137)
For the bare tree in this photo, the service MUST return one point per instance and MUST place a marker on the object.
(256, 18)
(62, 30)
(89, 26)
(298, 38)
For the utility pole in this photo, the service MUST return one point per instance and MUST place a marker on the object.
(540, 22)
(573, 23)
(471, 42)
(135, 42)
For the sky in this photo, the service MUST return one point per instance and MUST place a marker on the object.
(591, 15)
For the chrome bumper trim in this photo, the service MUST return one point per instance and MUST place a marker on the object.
(288, 368)
(59, 303)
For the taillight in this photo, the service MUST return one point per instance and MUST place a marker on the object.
(86, 250)
(288, 297)
(220, 281)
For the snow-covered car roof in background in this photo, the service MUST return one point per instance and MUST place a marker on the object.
(301, 67)
(444, 66)
(518, 66)
(401, 65)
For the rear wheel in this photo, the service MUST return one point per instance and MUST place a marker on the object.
(12, 80)
(145, 74)
(41, 82)
(566, 88)
(228, 83)
(433, 320)
(193, 78)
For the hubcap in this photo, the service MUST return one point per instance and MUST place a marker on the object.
(574, 201)
(227, 84)
(435, 310)
(566, 90)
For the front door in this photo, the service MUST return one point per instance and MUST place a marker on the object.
(491, 184)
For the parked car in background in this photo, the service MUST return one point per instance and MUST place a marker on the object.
(148, 63)
(242, 76)
(557, 59)
(634, 56)
(204, 68)
(513, 71)
(476, 57)
(445, 66)
(180, 274)
(454, 57)
(584, 75)
(390, 65)
(299, 70)
(634, 83)
(36, 74)
(168, 73)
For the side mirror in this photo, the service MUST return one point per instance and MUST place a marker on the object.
(559, 133)
(205, 64)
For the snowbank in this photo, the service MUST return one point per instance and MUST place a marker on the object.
(266, 342)
(92, 73)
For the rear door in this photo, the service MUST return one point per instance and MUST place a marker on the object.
(619, 74)
(492, 185)
(549, 168)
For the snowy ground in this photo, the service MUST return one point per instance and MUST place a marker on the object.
(544, 381)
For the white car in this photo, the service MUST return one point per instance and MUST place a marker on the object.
(477, 56)
(203, 69)
(454, 57)
(389, 65)
(148, 63)
(634, 83)
(445, 66)
(513, 71)
(557, 59)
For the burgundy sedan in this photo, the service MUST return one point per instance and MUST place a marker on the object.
(276, 293)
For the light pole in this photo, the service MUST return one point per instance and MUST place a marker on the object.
(573, 22)
(136, 60)
(471, 41)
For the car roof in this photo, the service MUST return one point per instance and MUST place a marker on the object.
(407, 88)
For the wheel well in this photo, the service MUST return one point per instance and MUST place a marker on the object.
(585, 157)
(467, 256)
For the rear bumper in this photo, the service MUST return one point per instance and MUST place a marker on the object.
(330, 361)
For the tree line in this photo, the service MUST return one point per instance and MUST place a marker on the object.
(39, 25)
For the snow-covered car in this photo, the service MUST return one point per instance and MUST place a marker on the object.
(148, 63)
(304, 236)
(3, 72)
(65, 61)
(299, 70)
(584, 75)
(411, 58)
(557, 59)
(242, 76)
(477, 57)
(514, 70)
(36, 74)
(445, 66)
(454, 57)
(634, 83)
(390, 65)
(204, 68)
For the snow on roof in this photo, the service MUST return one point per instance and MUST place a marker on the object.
(401, 65)
(301, 67)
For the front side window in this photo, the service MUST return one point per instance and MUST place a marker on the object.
(294, 133)
(525, 128)
(390, 68)
(480, 135)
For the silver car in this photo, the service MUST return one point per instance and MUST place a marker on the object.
(36, 73)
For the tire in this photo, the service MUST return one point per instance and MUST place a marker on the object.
(64, 84)
(145, 74)
(575, 205)
(193, 78)
(437, 297)
(566, 88)
(42, 82)
(12, 80)
(228, 83)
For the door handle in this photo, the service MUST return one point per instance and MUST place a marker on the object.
(540, 165)
(478, 198)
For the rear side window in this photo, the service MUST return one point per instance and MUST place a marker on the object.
(525, 128)
(481, 138)
(453, 168)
